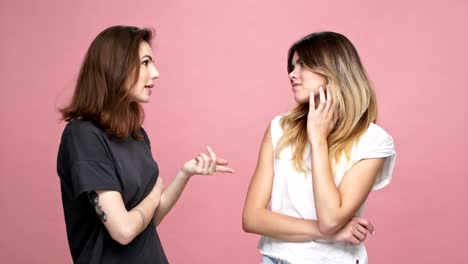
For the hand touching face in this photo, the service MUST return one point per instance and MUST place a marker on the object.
(304, 81)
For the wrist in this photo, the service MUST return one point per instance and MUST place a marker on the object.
(318, 140)
(184, 175)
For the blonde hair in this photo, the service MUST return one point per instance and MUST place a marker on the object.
(334, 57)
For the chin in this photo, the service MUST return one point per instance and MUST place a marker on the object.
(301, 100)
(143, 100)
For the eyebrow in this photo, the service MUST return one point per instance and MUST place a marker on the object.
(147, 56)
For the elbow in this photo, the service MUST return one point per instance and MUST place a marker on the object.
(124, 236)
(328, 227)
(248, 222)
(247, 227)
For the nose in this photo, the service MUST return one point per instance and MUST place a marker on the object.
(154, 72)
(292, 75)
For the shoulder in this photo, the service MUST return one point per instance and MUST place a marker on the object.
(83, 130)
(276, 131)
(376, 140)
(375, 129)
(375, 133)
(276, 122)
(277, 118)
(82, 126)
(83, 140)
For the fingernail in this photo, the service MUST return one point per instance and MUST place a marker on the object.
(321, 88)
(373, 232)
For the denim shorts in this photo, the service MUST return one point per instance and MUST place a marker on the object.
(272, 260)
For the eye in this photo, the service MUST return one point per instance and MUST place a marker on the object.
(145, 62)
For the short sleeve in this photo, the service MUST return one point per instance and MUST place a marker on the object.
(90, 162)
(377, 143)
(276, 131)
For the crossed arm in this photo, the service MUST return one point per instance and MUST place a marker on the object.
(259, 220)
(335, 205)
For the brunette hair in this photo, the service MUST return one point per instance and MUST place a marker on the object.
(111, 65)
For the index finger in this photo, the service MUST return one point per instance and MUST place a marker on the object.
(212, 154)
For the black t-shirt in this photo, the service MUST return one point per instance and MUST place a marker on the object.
(89, 159)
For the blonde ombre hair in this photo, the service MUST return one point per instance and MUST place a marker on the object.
(334, 57)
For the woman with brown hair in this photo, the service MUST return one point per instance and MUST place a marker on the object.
(319, 162)
(112, 195)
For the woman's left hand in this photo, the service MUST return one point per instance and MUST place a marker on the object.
(321, 119)
(206, 165)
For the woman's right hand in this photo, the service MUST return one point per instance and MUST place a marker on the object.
(206, 165)
(354, 232)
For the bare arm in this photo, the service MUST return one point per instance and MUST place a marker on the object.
(202, 165)
(258, 219)
(122, 225)
(170, 196)
(335, 205)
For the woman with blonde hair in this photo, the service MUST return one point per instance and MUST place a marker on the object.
(319, 162)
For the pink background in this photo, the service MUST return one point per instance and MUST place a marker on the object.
(223, 78)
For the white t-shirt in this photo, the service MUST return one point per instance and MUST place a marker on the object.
(292, 195)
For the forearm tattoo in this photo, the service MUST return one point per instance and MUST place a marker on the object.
(94, 199)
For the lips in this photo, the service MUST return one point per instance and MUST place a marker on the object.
(294, 86)
(148, 88)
